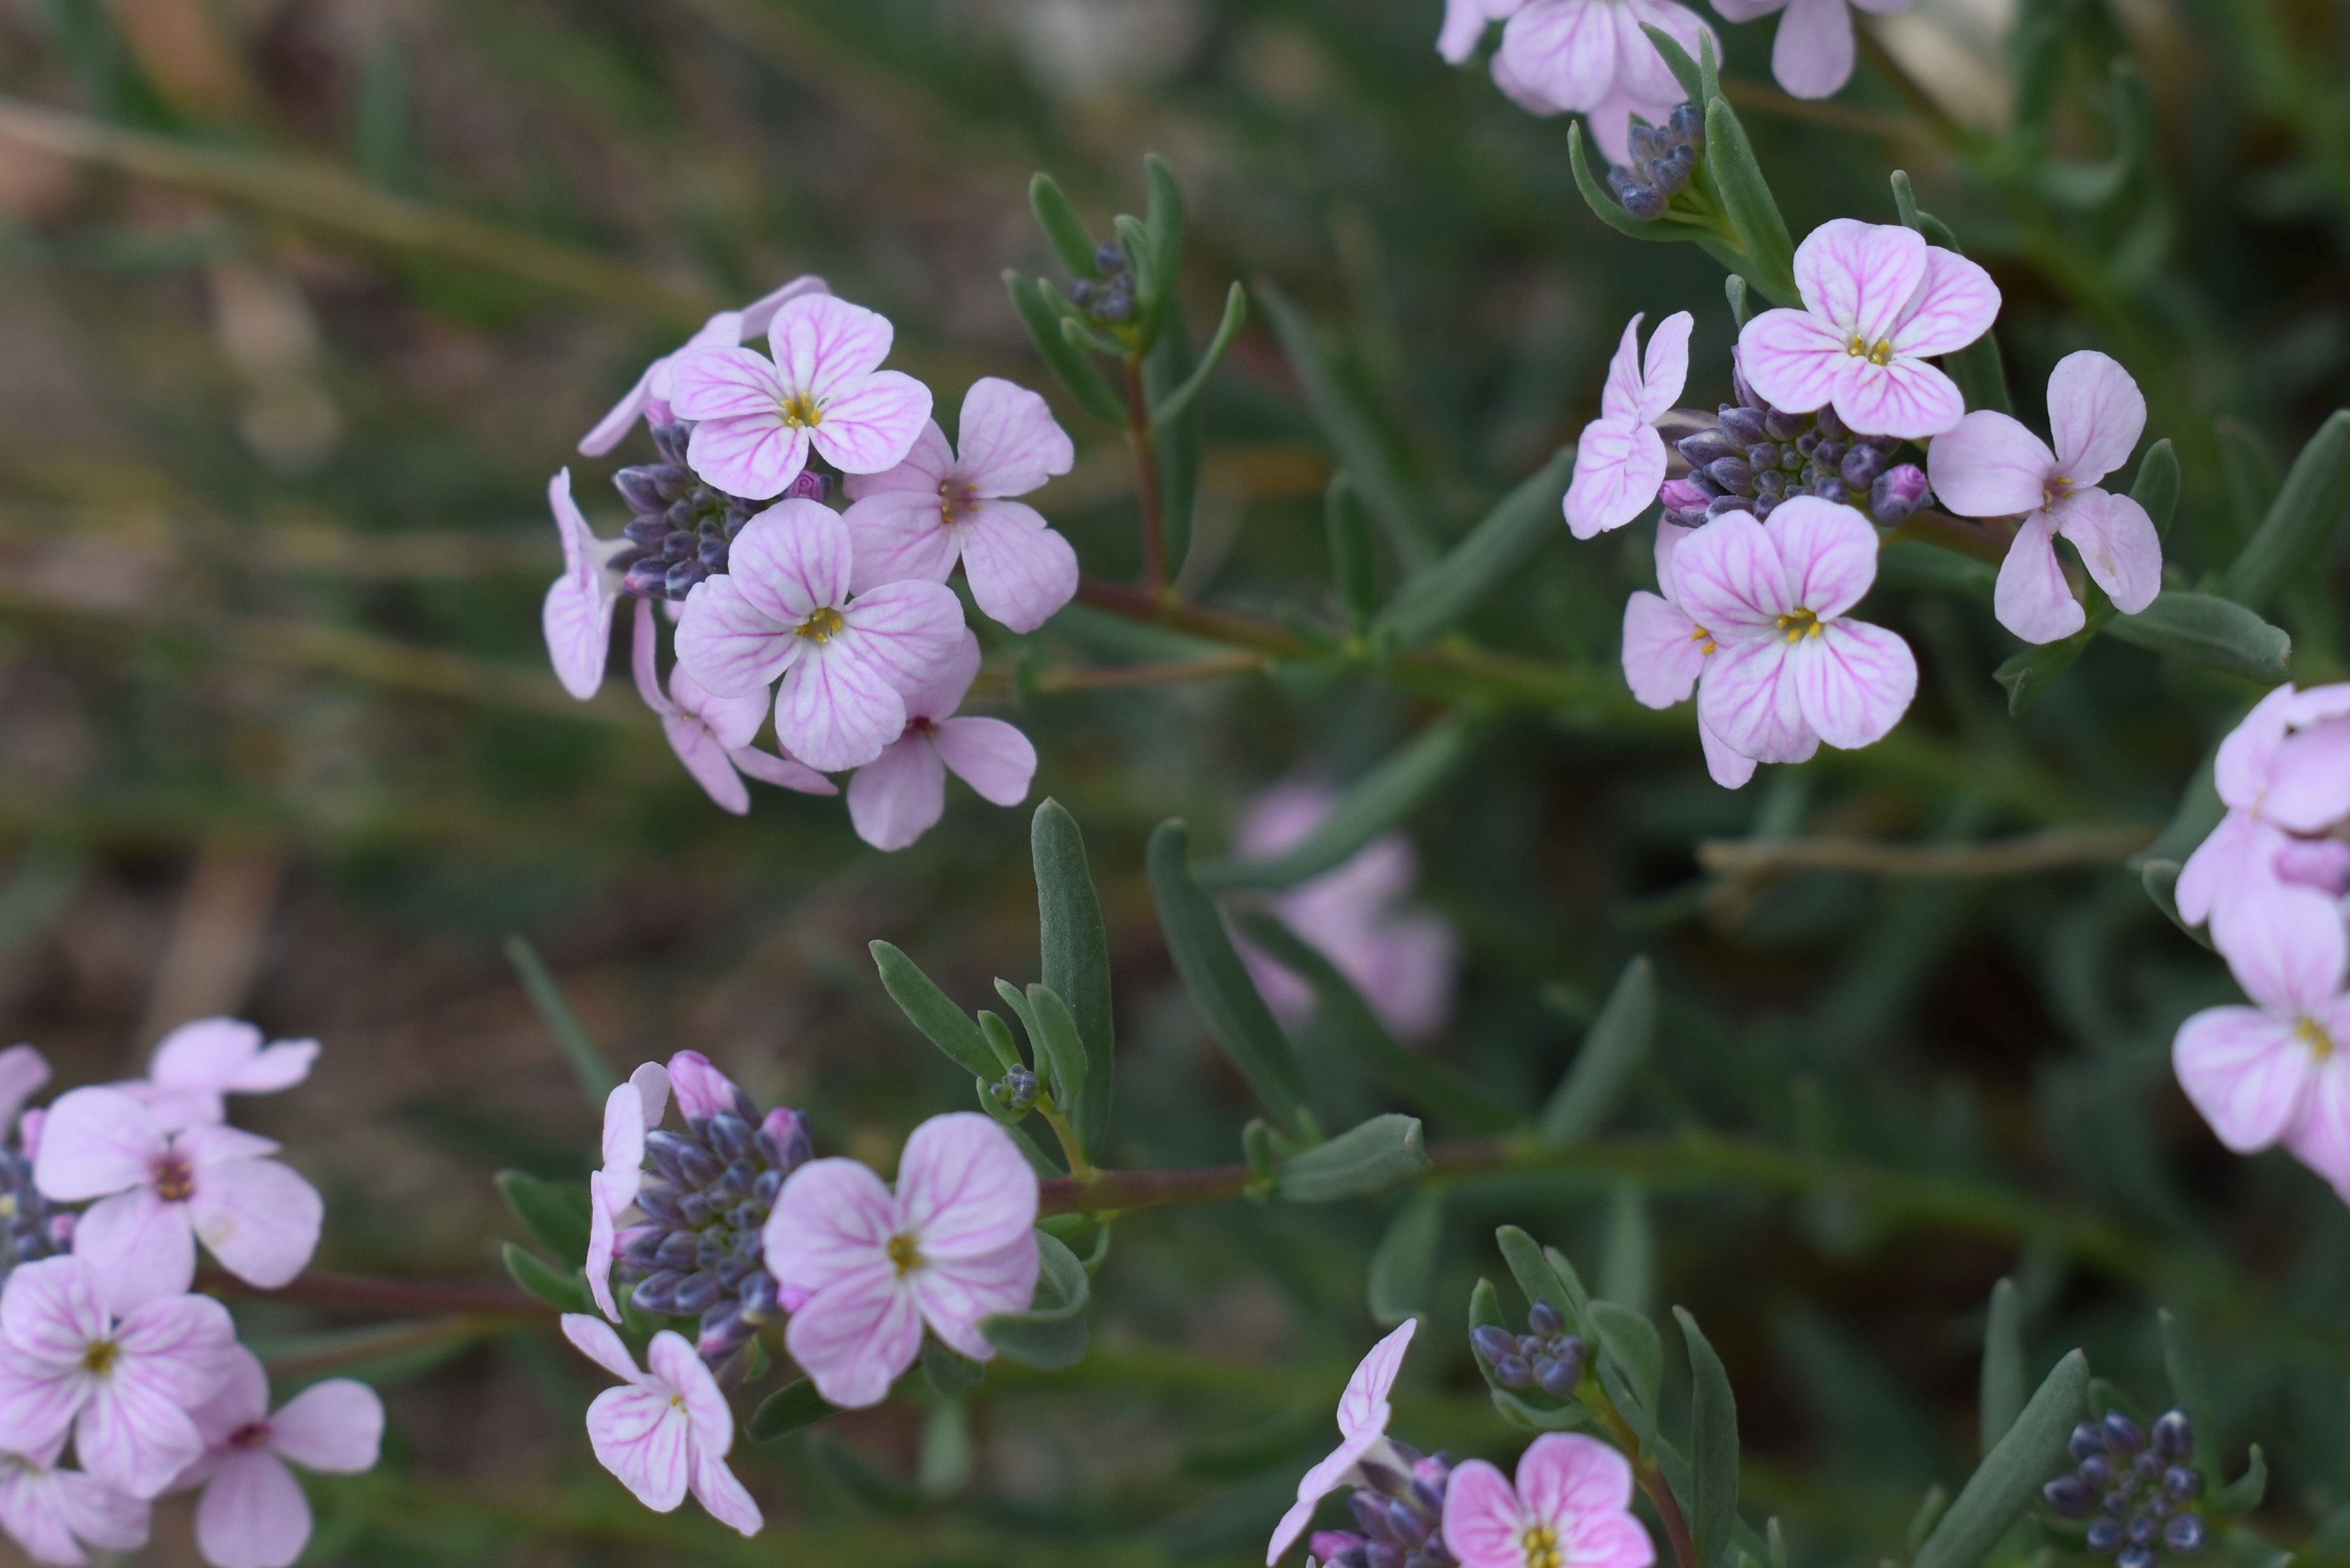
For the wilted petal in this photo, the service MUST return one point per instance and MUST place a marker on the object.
(1666, 365)
(1955, 304)
(908, 631)
(2095, 412)
(1827, 550)
(1482, 1519)
(1904, 397)
(965, 1186)
(2117, 543)
(259, 1217)
(752, 455)
(2244, 1072)
(901, 534)
(1316, 1484)
(900, 794)
(1853, 682)
(1731, 579)
(642, 1439)
(832, 1220)
(1021, 571)
(1792, 358)
(1664, 652)
(138, 1247)
(96, 1141)
(1749, 698)
(955, 1294)
(1011, 444)
(2033, 599)
(253, 1514)
(990, 755)
(1619, 466)
(1990, 466)
(824, 344)
(603, 1240)
(836, 709)
(856, 1334)
(1812, 56)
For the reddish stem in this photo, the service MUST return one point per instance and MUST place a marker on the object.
(1146, 481)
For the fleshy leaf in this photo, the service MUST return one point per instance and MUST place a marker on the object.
(1369, 1158)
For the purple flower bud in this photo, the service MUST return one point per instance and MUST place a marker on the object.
(1829, 426)
(2184, 1534)
(677, 1249)
(1646, 202)
(784, 1137)
(2105, 1537)
(1544, 1320)
(1806, 443)
(1898, 493)
(1770, 482)
(1493, 1343)
(2174, 1438)
(1371, 1513)
(646, 580)
(2098, 1472)
(1743, 426)
(677, 544)
(1731, 473)
(1762, 455)
(1332, 1545)
(809, 486)
(1860, 467)
(1674, 168)
(1766, 504)
(1687, 126)
(642, 490)
(1513, 1372)
(2070, 1496)
(1117, 304)
(1556, 1378)
(682, 576)
(697, 1294)
(657, 1293)
(1407, 1525)
(2182, 1483)
(1109, 258)
(2123, 1436)
(647, 531)
(1723, 505)
(1644, 142)
(669, 440)
(1780, 425)
(2137, 1557)
(2147, 1464)
(2142, 1531)
(1379, 1554)
(2086, 1442)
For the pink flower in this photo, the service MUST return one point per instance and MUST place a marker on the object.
(23, 1072)
(1878, 302)
(1812, 56)
(53, 1514)
(668, 1431)
(1988, 465)
(757, 419)
(2272, 1073)
(1619, 464)
(1791, 671)
(1363, 1415)
(1665, 652)
(253, 1513)
(577, 613)
(703, 1091)
(712, 735)
(1465, 22)
(953, 1245)
(630, 1111)
(199, 1064)
(1571, 1509)
(2284, 775)
(160, 1191)
(1590, 58)
(124, 1387)
(914, 520)
(649, 397)
(899, 795)
(782, 608)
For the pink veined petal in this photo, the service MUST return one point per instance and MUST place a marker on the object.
(1619, 394)
(705, 757)
(1749, 698)
(2321, 1139)
(1954, 306)
(901, 534)
(1731, 579)
(1666, 369)
(2117, 544)
(836, 709)
(644, 1442)
(673, 1360)
(651, 1079)
(1905, 397)
(760, 314)
(208, 1144)
(1990, 466)
(1853, 682)
(1527, 96)
(2095, 412)
(1793, 357)
(178, 1346)
(1812, 56)
(253, 1513)
(1856, 277)
(1565, 1474)
(724, 1497)
(624, 1144)
(1363, 1405)
(782, 772)
(1747, 10)
(577, 626)
(832, 1220)
(138, 1247)
(754, 455)
(1021, 571)
(1464, 27)
(259, 1217)
(1564, 50)
(725, 383)
(871, 425)
(723, 330)
(734, 719)
(1729, 769)
(856, 1334)
(2309, 788)
(927, 463)
(32, 1514)
(98, 1513)
(334, 1427)
(1670, 537)
(242, 1399)
(945, 695)
(2245, 1072)
(729, 645)
(1664, 652)
(793, 559)
(1829, 552)
(38, 1403)
(2033, 599)
(823, 345)
(2287, 949)
(1642, 72)
(96, 1141)
(1010, 442)
(133, 1434)
(603, 1242)
(23, 1072)
(2247, 758)
(598, 1344)
(996, 760)
(964, 1188)
(907, 631)
(1606, 1540)
(1326, 1477)
(1483, 1518)
(1619, 466)
(207, 1053)
(954, 1295)
(52, 1312)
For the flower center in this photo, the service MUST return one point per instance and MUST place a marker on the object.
(2056, 489)
(1878, 353)
(99, 1358)
(2312, 1035)
(957, 499)
(175, 1181)
(1699, 634)
(1541, 1543)
(800, 412)
(906, 1251)
(252, 1435)
(1800, 623)
(823, 626)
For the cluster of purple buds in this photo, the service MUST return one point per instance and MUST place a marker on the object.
(1109, 297)
(2140, 1490)
(1546, 1357)
(1664, 157)
(1017, 1089)
(29, 1229)
(1756, 456)
(680, 529)
(1400, 1510)
(701, 1251)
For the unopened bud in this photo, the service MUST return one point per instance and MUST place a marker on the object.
(2070, 1496)
(2174, 1437)
(1646, 202)
(1109, 258)
(1512, 1371)
(809, 486)
(1898, 493)
(1544, 1320)
(1743, 426)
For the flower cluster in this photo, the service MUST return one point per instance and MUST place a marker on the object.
(104, 1344)
(1545, 1357)
(839, 624)
(1662, 159)
(2139, 1496)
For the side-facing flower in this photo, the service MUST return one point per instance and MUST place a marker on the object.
(1665, 652)
(158, 1193)
(1990, 466)
(1363, 1415)
(1572, 1507)
(2283, 772)
(576, 616)
(650, 398)
(784, 609)
(198, 1065)
(23, 1072)
(915, 519)
(711, 734)
(1878, 302)
(630, 1111)
(1812, 56)
(1591, 58)
(124, 1386)
(253, 1513)
(954, 1244)
(757, 419)
(667, 1430)
(1791, 670)
(1620, 463)
(56, 1515)
(1465, 22)
(900, 794)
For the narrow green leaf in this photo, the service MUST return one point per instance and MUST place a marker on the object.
(1078, 374)
(1051, 1334)
(588, 1064)
(1373, 804)
(2028, 673)
(2247, 466)
(1436, 599)
(1141, 258)
(1171, 405)
(1677, 61)
(2156, 488)
(561, 1290)
(1734, 289)
(1609, 210)
(2243, 1494)
(1057, 1044)
(1000, 1043)
(2207, 629)
(1354, 560)
(1168, 368)
(1564, 1271)
(2302, 519)
(1630, 1342)
(1713, 1448)
(2009, 1478)
(2001, 1397)
(793, 1408)
(947, 1026)
(1374, 1157)
(1219, 984)
(1062, 225)
(1904, 200)
(1747, 202)
(1537, 1281)
(556, 1215)
(2190, 1390)
(1075, 943)
(1403, 1265)
(1618, 1041)
(1163, 220)
(1931, 1509)
(1081, 335)
(1628, 1266)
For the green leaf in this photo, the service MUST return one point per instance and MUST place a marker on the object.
(588, 1064)
(2156, 488)
(565, 1292)
(1403, 1265)
(1057, 1044)
(1142, 257)
(2303, 517)
(1075, 943)
(1171, 405)
(1628, 1267)
(1163, 220)
(1904, 200)
(2009, 1478)
(1734, 289)
(2210, 630)
(1713, 1448)
(1221, 990)
(1062, 226)
(1677, 59)
(1609, 210)
(1000, 1043)
(1079, 332)
(1051, 1334)
(1537, 1281)
(948, 1373)
(1178, 439)
(2028, 673)
(1618, 1041)
(2243, 1494)
(2001, 1398)
(1078, 374)
(1629, 1344)
(793, 1408)
(1747, 202)
(2249, 466)
(947, 1026)
(1354, 561)
(1564, 1271)
(1436, 599)
(1373, 804)
(556, 1215)
(1369, 1158)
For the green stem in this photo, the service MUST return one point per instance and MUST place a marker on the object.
(1145, 442)
(1956, 534)
(1645, 1474)
(1081, 1169)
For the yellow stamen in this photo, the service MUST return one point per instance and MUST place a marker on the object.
(1878, 353)
(1699, 634)
(1541, 1545)
(823, 626)
(99, 1358)
(2312, 1035)
(1799, 624)
(906, 1251)
(800, 412)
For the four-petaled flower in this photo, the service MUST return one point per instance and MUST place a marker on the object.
(2284, 775)
(667, 1431)
(1571, 1509)
(1363, 1415)
(782, 608)
(1591, 58)
(1812, 56)
(758, 418)
(899, 795)
(650, 398)
(576, 616)
(630, 1111)
(1620, 463)
(954, 1244)
(1990, 466)
(253, 1513)
(197, 1066)
(1665, 653)
(1878, 301)
(917, 518)
(54, 1515)
(711, 734)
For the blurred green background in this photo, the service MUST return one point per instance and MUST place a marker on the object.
(301, 302)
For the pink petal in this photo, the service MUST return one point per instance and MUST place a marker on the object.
(900, 794)
(1749, 698)
(2235, 851)
(242, 1399)
(97, 1141)
(760, 314)
(2309, 788)
(729, 644)
(955, 1294)
(1619, 466)
(871, 426)
(1531, 99)
(1641, 70)
(2117, 544)
(37, 1402)
(624, 1144)
(725, 383)
(832, 1220)
(2095, 412)
(701, 1089)
(907, 631)
(23, 1072)
(138, 1247)
(1663, 652)
(1610, 119)
(603, 1242)
(643, 646)
(2321, 1139)
(1828, 550)
(1606, 1540)
(1813, 55)
(1566, 1474)
(650, 1078)
(705, 758)
(1731, 579)
(1954, 306)
(1011, 444)
(782, 772)
(2247, 756)
(51, 1312)
(1856, 277)
(734, 719)
(1316, 1484)
(1405, 970)
(1667, 366)
(926, 463)
(134, 1436)
(1729, 769)
(208, 1144)
(856, 1334)
(253, 1514)
(598, 1344)
(2245, 1072)
(260, 1218)
(178, 1346)
(673, 1360)
(2033, 599)
(723, 1497)
(2287, 949)
(990, 755)
(943, 696)
(791, 560)
(1021, 571)
(1563, 50)
(334, 1426)
(1792, 358)
(822, 344)
(2320, 703)
(1988, 465)
(754, 455)
(836, 709)
(1482, 1519)
(577, 626)
(1619, 394)
(208, 1054)
(642, 1439)
(1853, 682)
(1464, 28)
(965, 1186)
(1747, 10)
(99, 1514)
(901, 534)
(1363, 1407)
(1905, 397)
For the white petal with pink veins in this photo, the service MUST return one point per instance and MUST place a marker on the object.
(996, 759)
(2031, 599)
(823, 345)
(1853, 682)
(900, 794)
(1021, 571)
(1011, 443)
(2117, 543)
(1990, 466)
(854, 1337)
(871, 425)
